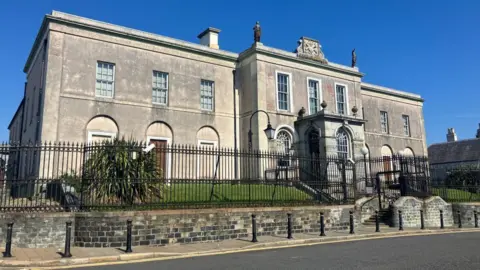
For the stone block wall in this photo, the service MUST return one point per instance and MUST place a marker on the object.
(367, 207)
(108, 229)
(36, 230)
(466, 212)
(411, 206)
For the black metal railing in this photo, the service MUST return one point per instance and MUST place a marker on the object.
(460, 183)
(123, 175)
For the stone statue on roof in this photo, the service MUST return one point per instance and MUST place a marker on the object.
(257, 32)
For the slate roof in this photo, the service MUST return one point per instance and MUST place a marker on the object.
(459, 151)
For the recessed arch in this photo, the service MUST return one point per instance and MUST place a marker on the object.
(208, 134)
(386, 151)
(290, 129)
(286, 137)
(159, 129)
(344, 143)
(100, 128)
(408, 152)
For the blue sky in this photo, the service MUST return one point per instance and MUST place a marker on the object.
(427, 47)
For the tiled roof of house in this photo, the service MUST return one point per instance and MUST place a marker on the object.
(458, 151)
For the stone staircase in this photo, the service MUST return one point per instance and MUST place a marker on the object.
(384, 217)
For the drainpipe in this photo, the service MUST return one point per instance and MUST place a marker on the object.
(235, 126)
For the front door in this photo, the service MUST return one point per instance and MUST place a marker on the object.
(160, 151)
(387, 167)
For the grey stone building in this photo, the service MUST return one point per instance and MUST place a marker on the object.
(454, 153)
(89, 80)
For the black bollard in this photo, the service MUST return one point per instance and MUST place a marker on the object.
(8, 246)
(129, 237)
(441, 219)
(475, 217)
(459, 220)
(322, 224)
(351, 223)
(422, 220)
(400, 220)
(377, 223)
(68, 235)
(254, 229)
(289, 229)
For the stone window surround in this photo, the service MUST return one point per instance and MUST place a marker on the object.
(204, 143)
(319, 94)
(213, 95)
(290, 96)
(346, 98)
(406, 125)
(155, 88)
(168, 155)
(114, 67)
(387, 126)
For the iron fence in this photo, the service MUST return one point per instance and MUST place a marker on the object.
(459, 183)
(123, 175)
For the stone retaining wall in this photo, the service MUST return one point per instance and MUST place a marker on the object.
(108, 229)
(431, 207)
(466, 212)
(36, 230)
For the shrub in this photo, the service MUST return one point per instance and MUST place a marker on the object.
(118, 171)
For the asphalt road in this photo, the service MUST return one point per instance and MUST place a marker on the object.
(447, 251)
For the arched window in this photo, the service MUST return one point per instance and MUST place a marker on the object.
(286, 138)
(342, 144)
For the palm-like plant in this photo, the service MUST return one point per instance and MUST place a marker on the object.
(118, 171)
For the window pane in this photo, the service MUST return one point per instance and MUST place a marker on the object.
(406, 125)
(342, 144)
(313, 96)
(384, 121)
(340, 95)
(104, 84)
(206, 95)
(160, 87)
(283, 92)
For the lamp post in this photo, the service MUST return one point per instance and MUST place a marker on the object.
(364, 151)
(269, 131)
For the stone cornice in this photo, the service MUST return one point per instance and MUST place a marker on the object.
(391, 92)
(284, 55)
(333, 116)
(141, 36)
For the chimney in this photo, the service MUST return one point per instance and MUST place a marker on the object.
(209, 37)
(451, 136)
(478, 132)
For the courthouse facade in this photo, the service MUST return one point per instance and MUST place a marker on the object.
(89, 80)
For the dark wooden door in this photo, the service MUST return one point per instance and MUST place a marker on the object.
(387, 167)
(160, 151)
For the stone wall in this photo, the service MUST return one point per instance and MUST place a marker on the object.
(108, 229)
(411, 206)
(367, 207)
(36, 230)
(466, 212)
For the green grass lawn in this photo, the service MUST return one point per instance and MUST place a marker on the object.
(192, 193)
(456, 195)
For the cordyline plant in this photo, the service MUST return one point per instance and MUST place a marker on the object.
(118, 171)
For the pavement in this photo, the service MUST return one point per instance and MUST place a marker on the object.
(50, 258)
(429, 252)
